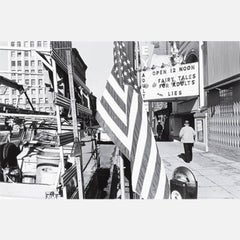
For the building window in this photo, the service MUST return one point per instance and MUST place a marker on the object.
(19, 54)
(33, 82)
(44, 43)
(32, 63)
(20, 81)
(32, 44)
(39, 70)
(41, 100)
(47, 109)
(19, 63)
(40, 91)
(41, 109)
(26, 63)
(32, 71)
(14, 91)
(39, 63)
(26, 44)
(20, 100)
(39, 43)
(27, 81)
(46, 100)
(12, 44)
(18, 44)
(13, 75)
(14, 101)
(13, 63)
(33, 91)
(34, 101)
(6, 101)
(12, 53)
(40, 82)
(26, 54)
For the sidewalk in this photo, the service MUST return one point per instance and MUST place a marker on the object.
(218, 177)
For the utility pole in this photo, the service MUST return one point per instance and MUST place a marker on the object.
(78, 159)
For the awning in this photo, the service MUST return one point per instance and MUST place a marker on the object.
(223, 83)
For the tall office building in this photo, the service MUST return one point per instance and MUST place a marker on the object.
(27, 69)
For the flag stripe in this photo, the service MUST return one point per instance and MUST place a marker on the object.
(136, 132)
(114, 116)
(108, 121)
(162, 182)
(139, 150)
(145, 159)
(132, 116)
(155, 179)
(121, 93)
(166, 189)
(150, 167)
(113, 136)
(116, 97)
(114, 105)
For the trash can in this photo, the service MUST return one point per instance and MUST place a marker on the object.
(183, 184)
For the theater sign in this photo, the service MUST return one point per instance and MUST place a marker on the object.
(166, 83)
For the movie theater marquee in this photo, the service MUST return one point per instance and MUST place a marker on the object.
(170, 82)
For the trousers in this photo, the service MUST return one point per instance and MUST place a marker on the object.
(188, 151)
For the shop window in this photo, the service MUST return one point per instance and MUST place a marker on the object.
(226, 101)
(199, 130)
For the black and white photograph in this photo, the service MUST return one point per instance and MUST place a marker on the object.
(119, 119)
(151, 120)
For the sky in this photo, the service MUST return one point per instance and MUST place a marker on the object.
(98, 56)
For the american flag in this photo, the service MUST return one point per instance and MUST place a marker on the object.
(122, 115)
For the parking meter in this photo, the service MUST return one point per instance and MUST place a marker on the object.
(183, 184)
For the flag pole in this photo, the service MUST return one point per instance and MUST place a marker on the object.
(122, 177)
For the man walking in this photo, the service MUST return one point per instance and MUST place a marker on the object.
(187, 135)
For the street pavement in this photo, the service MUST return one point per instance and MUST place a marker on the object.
(217, 176)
